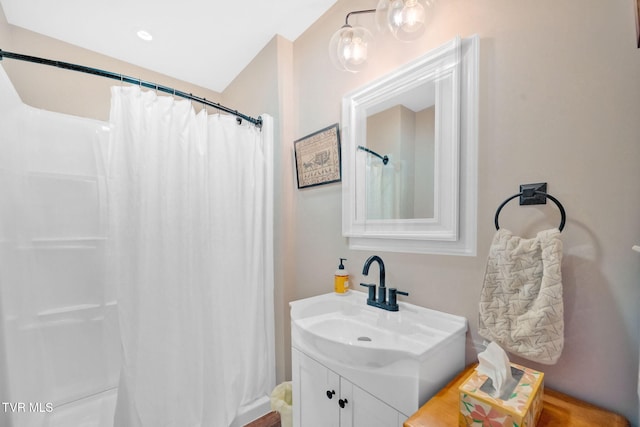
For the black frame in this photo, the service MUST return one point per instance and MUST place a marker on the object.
(318, 158)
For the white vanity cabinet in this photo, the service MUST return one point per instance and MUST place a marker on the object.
(322, 398)
(382, 365)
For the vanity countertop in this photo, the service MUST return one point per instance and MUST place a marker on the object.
(560, 410)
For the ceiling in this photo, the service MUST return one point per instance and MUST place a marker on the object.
(204, 42)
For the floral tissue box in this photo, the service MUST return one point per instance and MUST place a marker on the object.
(519, 408)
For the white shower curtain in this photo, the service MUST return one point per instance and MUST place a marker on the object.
(385, 189)
(190, 200)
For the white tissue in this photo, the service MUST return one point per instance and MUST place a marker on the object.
(494, 363)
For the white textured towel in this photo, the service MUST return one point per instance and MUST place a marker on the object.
(521, 304)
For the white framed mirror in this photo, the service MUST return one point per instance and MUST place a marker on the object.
(409, 155)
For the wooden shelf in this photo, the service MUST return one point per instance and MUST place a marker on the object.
(560, 410)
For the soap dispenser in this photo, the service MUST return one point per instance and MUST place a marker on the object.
(341, 279)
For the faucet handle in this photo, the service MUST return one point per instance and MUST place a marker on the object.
(372, 291)
(393, 300)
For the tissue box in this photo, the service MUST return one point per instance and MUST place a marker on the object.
(521, 408)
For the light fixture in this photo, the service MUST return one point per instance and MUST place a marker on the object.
(405, 19)
(144, 35)
(350, 47)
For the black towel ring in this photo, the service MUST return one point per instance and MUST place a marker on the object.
(542, 193)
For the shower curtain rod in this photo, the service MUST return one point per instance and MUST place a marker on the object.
(108, 74)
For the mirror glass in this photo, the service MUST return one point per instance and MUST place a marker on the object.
(409, 164)
(400, 142)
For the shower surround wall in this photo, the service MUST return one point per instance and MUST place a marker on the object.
(59, 317)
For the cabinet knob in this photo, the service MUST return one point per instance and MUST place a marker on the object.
(342, 402)
(330, 393)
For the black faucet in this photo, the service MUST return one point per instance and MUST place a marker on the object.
(382, 296)
(381, 301)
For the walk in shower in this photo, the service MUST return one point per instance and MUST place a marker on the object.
(64, 349)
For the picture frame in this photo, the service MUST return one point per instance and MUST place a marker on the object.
(638, 22)
(318, 157)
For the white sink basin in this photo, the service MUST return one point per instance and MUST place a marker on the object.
(387, 351)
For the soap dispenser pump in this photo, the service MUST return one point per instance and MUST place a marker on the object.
(341, 279)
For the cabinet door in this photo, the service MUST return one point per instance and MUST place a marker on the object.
(316, 393)
(364, 410)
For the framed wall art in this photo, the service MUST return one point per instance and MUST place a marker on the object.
(317, 157)
(638, 22)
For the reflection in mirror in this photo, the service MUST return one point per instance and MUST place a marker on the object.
(401, 188)
(409, 155)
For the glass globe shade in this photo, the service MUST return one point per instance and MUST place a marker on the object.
(382, 13)
(406, 19)
(349, 48)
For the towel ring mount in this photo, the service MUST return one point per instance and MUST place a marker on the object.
(533, 194)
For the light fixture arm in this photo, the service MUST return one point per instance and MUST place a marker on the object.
(357, 12)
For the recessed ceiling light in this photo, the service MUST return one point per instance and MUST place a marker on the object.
(145, 35)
